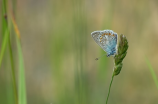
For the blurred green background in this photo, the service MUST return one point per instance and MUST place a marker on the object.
(59, 53)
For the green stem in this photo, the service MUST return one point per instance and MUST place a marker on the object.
(109, 88)
(13, 73)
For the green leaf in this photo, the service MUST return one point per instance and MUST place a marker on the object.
(22, 86)
(4, 44)
(152, 72)
(22, 89)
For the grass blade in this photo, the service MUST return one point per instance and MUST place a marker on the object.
(4, 44)
(22, 86)
(152, 72)
(5, 41)
(13, 73)
(5, 30)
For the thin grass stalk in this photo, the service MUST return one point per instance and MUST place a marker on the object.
(109, 88)
(118, 58)
(22, 86)
(5, 41)
(4, 45)
(12, 58)
(152, 72)
(13, 74)
(5, 31)
(4, 16)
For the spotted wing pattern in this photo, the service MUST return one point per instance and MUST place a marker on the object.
(107, 40)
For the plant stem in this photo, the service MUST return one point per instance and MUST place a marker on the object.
(13, 73)
(109, 88)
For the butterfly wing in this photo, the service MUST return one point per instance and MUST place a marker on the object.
(100, 40)
(107, 40)
(112, 42)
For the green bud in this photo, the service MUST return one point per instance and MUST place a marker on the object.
(117, 69)
(122, 51)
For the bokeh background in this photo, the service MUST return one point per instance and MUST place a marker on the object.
(59, 53)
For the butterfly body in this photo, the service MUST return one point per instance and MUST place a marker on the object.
(107, 40)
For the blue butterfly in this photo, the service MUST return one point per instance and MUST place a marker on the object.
(107, 40)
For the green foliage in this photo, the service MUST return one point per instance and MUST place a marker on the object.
(122, 51)
(6, 43)
(152, 72)
(22, 86)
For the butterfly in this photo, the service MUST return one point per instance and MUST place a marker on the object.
(107, 40)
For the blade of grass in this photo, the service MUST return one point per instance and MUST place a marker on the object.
(12, 59)
(6, 37)
(152, 72)
(22, 86)
(5, 31)
(4, 44)
(4, 16)
(13, 74)
(109, 89)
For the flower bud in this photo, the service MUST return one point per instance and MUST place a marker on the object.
(121, 53)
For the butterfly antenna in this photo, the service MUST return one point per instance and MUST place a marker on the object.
(100, 57)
